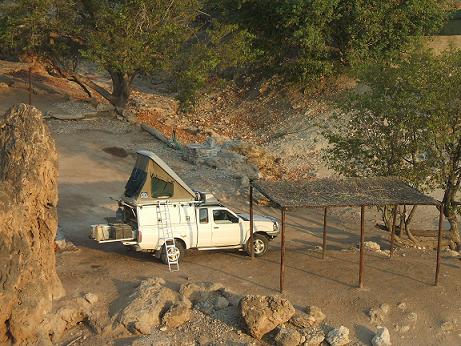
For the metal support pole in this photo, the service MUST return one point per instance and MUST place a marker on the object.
(30, 86)
(324, 244)
(362, 250)
(439, 241)
(282, 253)
(252, 248)
(394, 218)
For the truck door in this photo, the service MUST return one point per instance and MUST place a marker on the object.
(226, 228)
(203, 227)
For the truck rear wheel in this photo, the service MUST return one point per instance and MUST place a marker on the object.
(260, 245)
(175, 253)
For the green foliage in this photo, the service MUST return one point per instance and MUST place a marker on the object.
(307, 39)
(202, 40)
(127, 37)
(218, 48)
(406, 121)
(29, 27)
(374, 29)
(131, 36)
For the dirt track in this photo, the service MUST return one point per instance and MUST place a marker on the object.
(88, 176)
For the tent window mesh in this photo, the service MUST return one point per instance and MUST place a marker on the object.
(161, 188)
(135, 183)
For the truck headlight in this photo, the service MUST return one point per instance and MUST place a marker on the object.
(275, 227)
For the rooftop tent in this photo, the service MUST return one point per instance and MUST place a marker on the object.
(152, 179)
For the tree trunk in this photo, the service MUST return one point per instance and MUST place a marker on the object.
(454, 230)
(402, 221)
(450, 213)
(387, 217)
(82, 81)
(121, 84)
(121, 87)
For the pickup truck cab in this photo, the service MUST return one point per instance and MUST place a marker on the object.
(158, 206)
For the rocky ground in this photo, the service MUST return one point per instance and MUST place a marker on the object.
(91, 170)
(104, 302)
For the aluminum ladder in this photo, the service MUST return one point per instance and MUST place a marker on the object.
(166, 231)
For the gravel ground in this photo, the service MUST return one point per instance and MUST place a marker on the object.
(202, 330)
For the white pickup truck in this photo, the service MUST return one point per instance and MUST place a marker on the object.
(158, 205)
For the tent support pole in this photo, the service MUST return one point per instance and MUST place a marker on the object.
(282, 252)
(362, 250)
(394, 218)
(324, 244)
(439, 241)
(251, 243)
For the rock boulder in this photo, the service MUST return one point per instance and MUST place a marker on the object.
(206, 296)
(262, 314)
(314, 337)
(148, 303)
(338, 336)
(177, 314)
(28, 219)
(287, 337)
(315, 314)
(382, 337)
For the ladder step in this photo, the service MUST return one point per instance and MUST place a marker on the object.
(164, 226)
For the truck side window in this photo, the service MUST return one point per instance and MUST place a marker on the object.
(203, 215)
(223, 216)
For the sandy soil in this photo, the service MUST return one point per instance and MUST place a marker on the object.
(88, 176)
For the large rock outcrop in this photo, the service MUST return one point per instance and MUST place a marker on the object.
(28, 223)
(262, 314)
(147, 306)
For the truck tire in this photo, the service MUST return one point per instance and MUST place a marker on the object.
(261, 245)
(177, 250)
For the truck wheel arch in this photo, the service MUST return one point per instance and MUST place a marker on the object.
(183, 243)
(263, 234)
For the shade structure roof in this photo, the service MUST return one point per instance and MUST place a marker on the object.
(344, 192)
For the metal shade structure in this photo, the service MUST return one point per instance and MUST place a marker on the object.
(347, 192)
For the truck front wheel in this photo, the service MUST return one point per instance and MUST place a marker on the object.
(175, 253)
(260, 245)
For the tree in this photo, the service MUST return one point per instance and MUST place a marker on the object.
(27, 27)
(406, 123)
(124, 37)
(127, 37)
(308, 39)
(218, 50)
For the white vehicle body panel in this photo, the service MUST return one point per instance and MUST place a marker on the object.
(196, 232)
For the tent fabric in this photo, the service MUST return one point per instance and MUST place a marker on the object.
(346, 192)
(152, 180)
